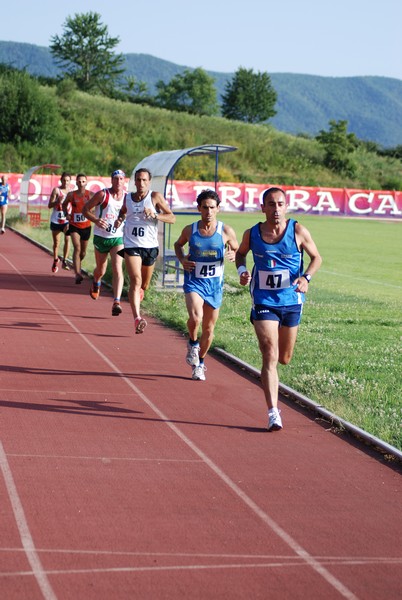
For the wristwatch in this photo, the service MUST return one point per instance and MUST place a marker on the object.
(307, 276)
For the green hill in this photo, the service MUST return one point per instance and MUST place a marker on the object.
(306, 103)
(97, 134)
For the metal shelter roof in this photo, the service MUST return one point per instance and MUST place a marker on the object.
(24, 188)
(161, 164)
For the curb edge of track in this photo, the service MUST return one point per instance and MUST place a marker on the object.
(377, 444)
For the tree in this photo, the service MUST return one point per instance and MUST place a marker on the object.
(134, 87)
(28, 112)
(85, 52)
(249, 97)
(339, 145)
(192, 91)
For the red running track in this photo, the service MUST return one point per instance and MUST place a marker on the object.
(121, 478)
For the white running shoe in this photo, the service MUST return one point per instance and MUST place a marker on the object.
(192, 356)
(139, 325)
(199, 372)
(274, 420)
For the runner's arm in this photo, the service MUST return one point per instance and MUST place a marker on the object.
(241, 254)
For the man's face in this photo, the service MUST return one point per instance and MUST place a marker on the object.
(208, 209)
(81, 183)
(275, 207)
(65, 181)
(118, 182)
(142, 182)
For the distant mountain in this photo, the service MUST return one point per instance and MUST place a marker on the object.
(306, 103)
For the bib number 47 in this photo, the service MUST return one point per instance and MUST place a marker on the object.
(274, 281)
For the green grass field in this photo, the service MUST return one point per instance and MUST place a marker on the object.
(348, 353)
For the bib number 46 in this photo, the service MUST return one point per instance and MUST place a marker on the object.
(138, 232)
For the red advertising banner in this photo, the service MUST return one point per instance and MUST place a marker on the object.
(238, 197)
(316, 201)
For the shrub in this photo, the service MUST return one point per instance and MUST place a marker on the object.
(28, 112)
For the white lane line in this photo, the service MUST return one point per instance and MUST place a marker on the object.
(265, 518)
(108, 458)
(23, 529)
(344, 560)
(155, 569)
(196, 567)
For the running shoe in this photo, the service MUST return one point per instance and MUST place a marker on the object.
(116, 309)
(274, 420)
(199, 372)
(55, 266)
(192, 356)
(79, 278)
(140, 325)
(94, 291)
(3, 231)
(65, 266)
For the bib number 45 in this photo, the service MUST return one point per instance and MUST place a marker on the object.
(208, 270)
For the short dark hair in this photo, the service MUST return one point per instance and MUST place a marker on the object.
(208, 195)
(143, 170)
(270, 191)
(81, 175)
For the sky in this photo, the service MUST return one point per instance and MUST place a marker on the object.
(332, 38)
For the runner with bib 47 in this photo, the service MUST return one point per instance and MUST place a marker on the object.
(278, 284)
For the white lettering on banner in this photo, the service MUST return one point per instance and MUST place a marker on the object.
(355, 197)
(250, 202)
(325, 200)
(387, 201)
(297, 200)
(229, 195)
(173, 196)
(38, 188)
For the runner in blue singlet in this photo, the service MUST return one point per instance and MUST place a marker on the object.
(203, 276)
(278, 283)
